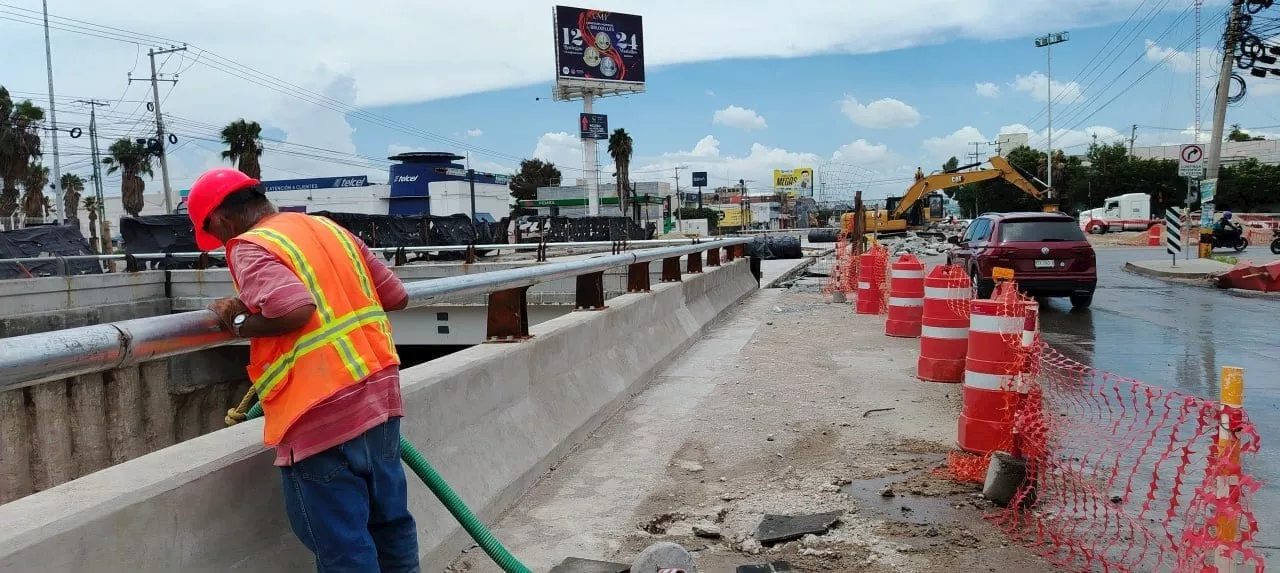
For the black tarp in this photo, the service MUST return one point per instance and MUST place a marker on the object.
(45, 241)
(162, 234)
(769, 247)
(823, 235)
(578, 229)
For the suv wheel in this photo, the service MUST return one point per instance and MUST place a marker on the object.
(1081, 301)
(979, 290)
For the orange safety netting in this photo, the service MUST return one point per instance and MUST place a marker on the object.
(1123, 476)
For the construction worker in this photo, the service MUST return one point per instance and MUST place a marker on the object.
(312, 301)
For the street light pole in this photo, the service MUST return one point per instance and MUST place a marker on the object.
(1047, 41)
(53, 124)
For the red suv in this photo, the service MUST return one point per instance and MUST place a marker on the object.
(1048, 253)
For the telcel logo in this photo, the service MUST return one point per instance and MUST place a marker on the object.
(348, 182)
(406, 178)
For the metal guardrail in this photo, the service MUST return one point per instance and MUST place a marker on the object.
(379, 250)
(35, 358)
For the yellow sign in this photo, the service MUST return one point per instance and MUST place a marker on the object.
(794, 181)
(734, 217)
(1002, 274)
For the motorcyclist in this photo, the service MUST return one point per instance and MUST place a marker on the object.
(1226, 231)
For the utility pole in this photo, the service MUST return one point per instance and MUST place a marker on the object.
(977, 154)
(97, 170)
(1219, 119)
(53, 123)
(1047, 41)
(155, 95)
(679, 202)
(1133, 137)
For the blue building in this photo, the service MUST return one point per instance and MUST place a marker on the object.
(411, 178)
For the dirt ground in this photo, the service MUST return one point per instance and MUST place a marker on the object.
(790, 405)
(1120, 239)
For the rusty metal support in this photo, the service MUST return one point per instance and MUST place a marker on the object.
(542, 249)
(695, 263)
(202, 262)
(508, 319)
(131, 264)
(739, 251)
(471, 253)
(671, 270)
(638, 277)
(755, 270)
(728, 254)
(590, 292)
(713, 257)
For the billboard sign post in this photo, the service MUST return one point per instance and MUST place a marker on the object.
(593, 125)
(598, 53)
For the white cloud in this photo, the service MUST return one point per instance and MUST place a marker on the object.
(882, 113)
(711, 93)
(958, 144)
(741, 118)
(477, 132)
(562, 149)
(706, 147)
(1037, 84)
(861, 152)
(987, 90)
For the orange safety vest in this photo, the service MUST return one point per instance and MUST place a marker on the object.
(346, 340)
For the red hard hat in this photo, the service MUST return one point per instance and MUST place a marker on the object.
(207, 194)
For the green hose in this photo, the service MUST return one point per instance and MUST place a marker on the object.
(481, 534)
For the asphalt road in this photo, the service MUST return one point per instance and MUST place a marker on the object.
(1180, 336)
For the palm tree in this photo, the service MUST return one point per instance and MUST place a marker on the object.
(133, 161)
(72, 188)
(19, 146)
(33, 199)
(620, 150)
(91, 206)
(244, 146)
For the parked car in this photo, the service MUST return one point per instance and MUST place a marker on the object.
(1047, 252)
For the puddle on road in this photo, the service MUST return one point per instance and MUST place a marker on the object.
(920, 496)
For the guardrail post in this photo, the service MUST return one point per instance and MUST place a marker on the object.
(508, 319)
(739, 250)
(728, 254)
(638, 277)
(590, 291)
(541, 256)
(401, 257)
(713, 257)
(755, 270)
(695, 262)
(671, 270)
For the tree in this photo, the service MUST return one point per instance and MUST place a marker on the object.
(244, 146)
(72, 188)
(133, 161)
(620, 151)
(92, 207)
(1238, 134)
(534, 173)
(19, 146)
(33, 199)
(951, 164)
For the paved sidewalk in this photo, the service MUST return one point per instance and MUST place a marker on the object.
(1185, 269)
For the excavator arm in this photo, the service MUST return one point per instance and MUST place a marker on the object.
(1001, 169)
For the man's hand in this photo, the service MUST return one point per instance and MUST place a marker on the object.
(227, 309)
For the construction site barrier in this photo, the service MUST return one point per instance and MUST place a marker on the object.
(1119, 475)
(1155, 235)
(993, 388)
(906, 297)
(871, 281)
(944, 331)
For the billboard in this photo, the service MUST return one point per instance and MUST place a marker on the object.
(593, 125)
(699, 178)
(600, 46)
(794, 181)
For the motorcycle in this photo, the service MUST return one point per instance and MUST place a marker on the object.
(1275, 241)
(1238, 242)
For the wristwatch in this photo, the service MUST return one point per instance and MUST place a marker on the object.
(237, 322)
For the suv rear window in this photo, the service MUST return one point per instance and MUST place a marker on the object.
(1035, 231)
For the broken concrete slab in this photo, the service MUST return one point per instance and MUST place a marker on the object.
(780, 528)
(664, 556)
(1005, 476)
(576, 565)
(775, 567)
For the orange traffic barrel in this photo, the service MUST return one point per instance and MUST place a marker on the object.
(1154, 233)
(944, 332)
(871, 281)
(906, 297)
(993, 377)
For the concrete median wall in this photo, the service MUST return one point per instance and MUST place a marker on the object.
(491, 418)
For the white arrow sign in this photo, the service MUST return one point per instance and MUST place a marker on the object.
(1191, 160)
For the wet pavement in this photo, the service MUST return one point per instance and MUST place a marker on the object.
(1179, 337)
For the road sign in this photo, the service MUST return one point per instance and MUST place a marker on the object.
(1191, 160)
(1173, 232)
(593, 125)
(699, 178)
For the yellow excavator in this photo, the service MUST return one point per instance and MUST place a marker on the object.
(908, 213)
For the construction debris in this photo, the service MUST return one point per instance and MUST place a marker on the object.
(780, 528)
(919, 244)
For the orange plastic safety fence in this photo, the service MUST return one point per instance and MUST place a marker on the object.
(835, 278)
(1123, 476)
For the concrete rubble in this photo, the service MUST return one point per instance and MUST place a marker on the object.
(920, 245)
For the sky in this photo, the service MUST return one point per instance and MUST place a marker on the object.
(863, 91)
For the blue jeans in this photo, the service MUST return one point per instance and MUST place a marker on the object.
(349, 505)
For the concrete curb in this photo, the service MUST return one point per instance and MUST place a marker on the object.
(1138, 270)
(791, 273)
(1243, 293)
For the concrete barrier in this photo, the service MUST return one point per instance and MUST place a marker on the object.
(491, 418)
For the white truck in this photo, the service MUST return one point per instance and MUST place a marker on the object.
(1128, 212)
